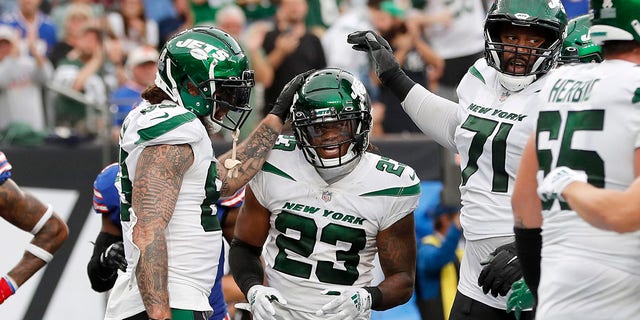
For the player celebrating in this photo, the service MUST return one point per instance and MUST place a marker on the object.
(587, 130)
(488, 128)
(327, 206)
(170, 179)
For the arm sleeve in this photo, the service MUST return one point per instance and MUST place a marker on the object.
(434, 115)
(102, 278)
(529, 246)
(245, 265)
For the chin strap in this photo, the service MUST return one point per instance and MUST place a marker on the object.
(233, 163)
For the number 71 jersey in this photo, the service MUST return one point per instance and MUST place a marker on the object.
(323, 236)
(494, 127)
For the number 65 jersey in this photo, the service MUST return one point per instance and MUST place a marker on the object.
(589, 120)
(325, 234)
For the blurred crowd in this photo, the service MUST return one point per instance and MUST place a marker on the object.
(74, 68)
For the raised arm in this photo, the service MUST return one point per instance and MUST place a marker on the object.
(434, 115)
(253, 151)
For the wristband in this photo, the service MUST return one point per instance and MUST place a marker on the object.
(398, 82)
(7, 288)
(12, 283)
(44, 255)
(376, 296)
(43, 220)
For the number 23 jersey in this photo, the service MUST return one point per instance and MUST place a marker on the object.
(325, 234)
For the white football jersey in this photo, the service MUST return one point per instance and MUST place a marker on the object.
(488, 128)
(323, 236)
(589, 120)
(494, 127)
(193, 235)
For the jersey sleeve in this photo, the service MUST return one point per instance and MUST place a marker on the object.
(279, 157)
(106, 198)
(225, 204)
(437, 117)
(166, 124)
(5, 168)
(405, 199)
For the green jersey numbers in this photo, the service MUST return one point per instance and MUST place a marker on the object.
(390, 166)
(588, 161)
(483, 129)
(305, 243)
(209, 219)
(285, 143)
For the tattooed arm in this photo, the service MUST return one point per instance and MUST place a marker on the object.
(252, 152)
(24, 211)
(397, 252)
(159, 173)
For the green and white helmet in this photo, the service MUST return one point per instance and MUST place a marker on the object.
(545, 15)
(331, 95)
(204, 70)
(615, 20)
(577, 45)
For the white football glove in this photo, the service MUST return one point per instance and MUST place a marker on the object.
(350, 304)
(554, 183)
(260, 299)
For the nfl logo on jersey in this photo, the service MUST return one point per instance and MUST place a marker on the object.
(326, 196)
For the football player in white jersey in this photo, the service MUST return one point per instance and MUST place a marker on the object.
(588, 130)
(322, 207)
(171, 179)
(577, 47)
(488, 128)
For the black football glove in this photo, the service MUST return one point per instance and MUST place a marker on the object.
(113, 257)
(501, 270)
(378, 49)
(283, 104)
(386, 66)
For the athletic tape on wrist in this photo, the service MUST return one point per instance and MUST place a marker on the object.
(43, 220)
(39, 252)
(11, 282)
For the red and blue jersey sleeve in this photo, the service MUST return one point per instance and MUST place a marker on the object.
(5, 168)
(106, 199)
(234, 201)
